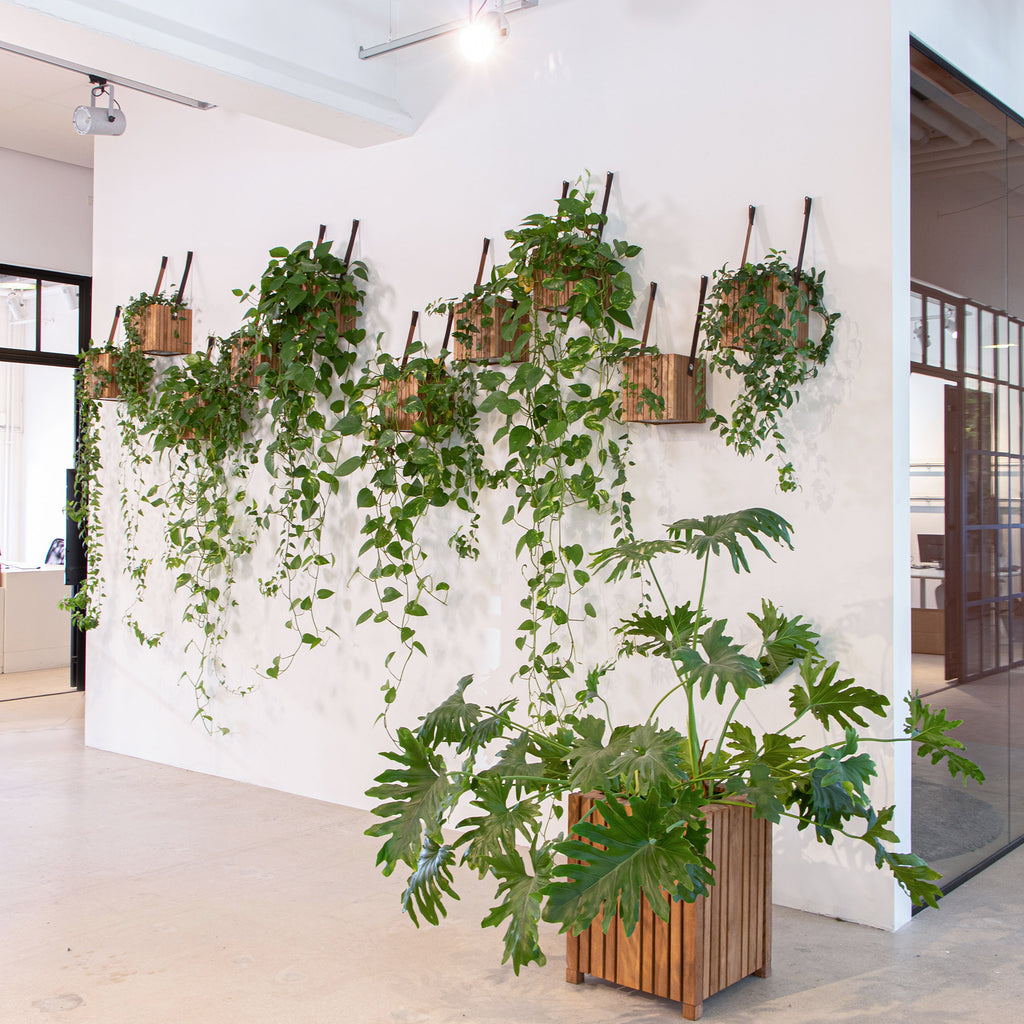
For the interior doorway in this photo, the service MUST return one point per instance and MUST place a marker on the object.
(44, 325)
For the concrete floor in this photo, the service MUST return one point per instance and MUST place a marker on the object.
(133, 893)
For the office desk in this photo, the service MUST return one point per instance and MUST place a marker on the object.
(925, 573)
(36, 633)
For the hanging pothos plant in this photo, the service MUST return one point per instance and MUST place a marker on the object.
(419, 428)
(556, 441)
(756, 328)
(300, 341)
(200, 429)
(298, 345)
(122, 371)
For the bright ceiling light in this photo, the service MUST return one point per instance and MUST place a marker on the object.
(94, 120)
(480, 38)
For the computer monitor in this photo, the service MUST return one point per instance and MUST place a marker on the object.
(932, 547)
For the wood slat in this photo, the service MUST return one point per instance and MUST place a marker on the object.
(742, 319)
(488, 344)
(706, 945)
(165, 331)
(664, 374)
(107, 363)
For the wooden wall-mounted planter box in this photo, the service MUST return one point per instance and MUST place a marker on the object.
(107, 363)
(488, 344)
(706, 945)
(252, 379)
(742, 319)
(664, 374)
(398, 417)
(346, 321)
(547, 300)
(165, 331)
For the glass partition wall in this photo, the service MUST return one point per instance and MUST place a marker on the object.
(967, 459)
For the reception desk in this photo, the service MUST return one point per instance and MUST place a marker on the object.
(36, 633)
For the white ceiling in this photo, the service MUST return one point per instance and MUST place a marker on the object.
(36, 101)
(303, 72)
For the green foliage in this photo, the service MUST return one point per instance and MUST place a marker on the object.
(646, 837)
(293, 361)
(753, 321)
(643, 847)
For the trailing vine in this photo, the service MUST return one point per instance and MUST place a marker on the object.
(760, 327)
(301, 341)
(422, 450)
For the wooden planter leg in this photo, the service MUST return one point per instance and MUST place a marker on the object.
(693, 960)
(573, 974)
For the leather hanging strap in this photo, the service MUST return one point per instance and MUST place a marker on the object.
(160, 276)
(751, 210)
(184, 278)
(803, 239)
(692, 364)
(412, 334)
(647, 319)
(351, 242)
(113, 326)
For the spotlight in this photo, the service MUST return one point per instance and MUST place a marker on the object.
(94, 120)
(480, 38)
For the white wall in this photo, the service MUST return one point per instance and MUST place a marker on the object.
(47, 214)
(700, 110)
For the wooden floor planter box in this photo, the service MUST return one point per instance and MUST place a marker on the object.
(741, 320)
(706, 945)
(488, 344)
(105, 362)
(664, 374)
(165, 331)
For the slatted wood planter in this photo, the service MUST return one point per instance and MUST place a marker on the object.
(706, 945)
(103, 362)
(741, 320)
(484, 324)
(399, 417)
(547, 300)
(665, 375)
(165, 330)
(251, 379)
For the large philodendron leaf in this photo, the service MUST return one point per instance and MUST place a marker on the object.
(627, 557)
(650, 759)
(717, 533)
(521, 894)
(725, 665)
(915, 877)
(763, 790)
(835, 790)
(412, 800)
(785, 640)
(430, 882)
(467, 726)
(928, 728)
(643, 848)
(451, 719)
(491, 834)
(657, 636)
(829, 699)
(591, 757)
